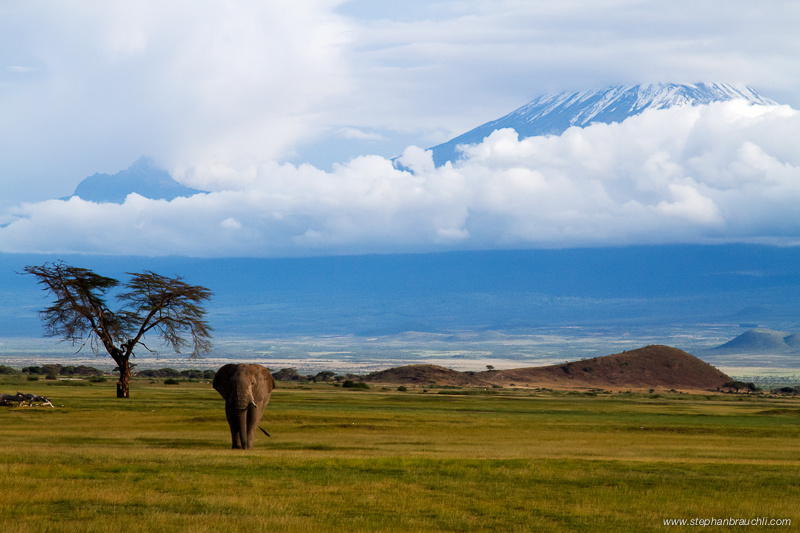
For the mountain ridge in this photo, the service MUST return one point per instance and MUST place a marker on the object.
(760, 341)
(143, 177)
(553, 114)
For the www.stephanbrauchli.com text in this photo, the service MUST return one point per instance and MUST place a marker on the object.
(730, 521)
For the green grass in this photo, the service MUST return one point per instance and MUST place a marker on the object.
(383, 460)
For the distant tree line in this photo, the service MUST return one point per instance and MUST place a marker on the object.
(172, 373)
(749, 387)
(291, 374)
(60, 370)
(786, 390)
(736, 386)
(82, 370)
(55, 370)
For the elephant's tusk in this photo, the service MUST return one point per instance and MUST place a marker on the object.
(254, 404)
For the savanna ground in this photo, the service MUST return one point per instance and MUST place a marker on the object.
(384, 460)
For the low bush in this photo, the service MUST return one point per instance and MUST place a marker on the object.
(349, 384)
(160, 373)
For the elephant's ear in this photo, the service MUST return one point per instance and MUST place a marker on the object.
(266, 375)
(221, 379)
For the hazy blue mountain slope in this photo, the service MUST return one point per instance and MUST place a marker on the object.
(793, 340)
(142, 177)
(552, 114)
(493, 290)
(761, 341)
(756, 341)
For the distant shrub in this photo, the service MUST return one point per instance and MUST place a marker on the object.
(83, 370)
(197, 374)
(402, 388)
(33, 378)
(160, 373)
(286, 374)
(170, 381)
(97, 379)
(350, 384)
(786, 390)
(325, 375)
(7, 370)
(736, 386)
(51, 376)
(80, 370)
(51, 369)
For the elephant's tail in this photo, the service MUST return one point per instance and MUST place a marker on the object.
(265, 433)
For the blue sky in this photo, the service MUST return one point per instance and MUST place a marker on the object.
(288, 111)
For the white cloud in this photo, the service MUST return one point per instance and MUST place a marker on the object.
(719, 173)
(690, 205)
(355, 133)
(231, 223)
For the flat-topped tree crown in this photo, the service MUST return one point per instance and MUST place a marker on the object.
(168, 307)
(171, 307)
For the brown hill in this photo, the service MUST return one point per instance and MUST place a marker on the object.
(651, 366)
(425, 375)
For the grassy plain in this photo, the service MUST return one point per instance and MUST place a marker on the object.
(384, 460)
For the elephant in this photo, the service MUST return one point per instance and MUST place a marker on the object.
(246, 389)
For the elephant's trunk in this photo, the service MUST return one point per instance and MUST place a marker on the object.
(243, 397)
(243, 432)
(241, 401)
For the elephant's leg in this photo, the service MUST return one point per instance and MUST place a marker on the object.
(233, 423)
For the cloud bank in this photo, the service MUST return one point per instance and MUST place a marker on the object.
(197, 85)
(727, 172)
(212, 90)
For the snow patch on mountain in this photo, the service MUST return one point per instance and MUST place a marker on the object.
(553, 114)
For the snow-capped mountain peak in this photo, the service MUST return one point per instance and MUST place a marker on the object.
(552, 114)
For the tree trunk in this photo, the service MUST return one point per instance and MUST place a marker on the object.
(123, 390)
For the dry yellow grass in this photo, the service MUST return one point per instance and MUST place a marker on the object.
(382, 460)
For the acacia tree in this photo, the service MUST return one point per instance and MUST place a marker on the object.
(167, 307)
